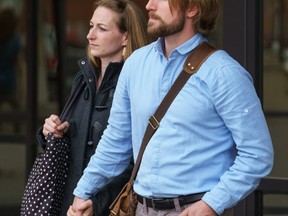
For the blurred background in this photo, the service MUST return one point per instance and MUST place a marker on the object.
(41, 41)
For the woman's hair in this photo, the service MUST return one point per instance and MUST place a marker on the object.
(131, 20)
(205, 20)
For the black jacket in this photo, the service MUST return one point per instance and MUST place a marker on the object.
(87, 121)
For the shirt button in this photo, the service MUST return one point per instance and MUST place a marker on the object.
(90, 143)
(90, 79)
(82, 62)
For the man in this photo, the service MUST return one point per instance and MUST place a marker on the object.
(213, 142)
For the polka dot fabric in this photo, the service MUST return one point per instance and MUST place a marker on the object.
(44, 191)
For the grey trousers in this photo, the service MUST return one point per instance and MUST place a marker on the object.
(143, 210)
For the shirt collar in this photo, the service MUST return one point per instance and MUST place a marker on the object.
(183, 48)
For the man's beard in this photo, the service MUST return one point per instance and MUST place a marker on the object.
(164, 29)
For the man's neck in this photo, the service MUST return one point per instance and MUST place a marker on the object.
(173, 41)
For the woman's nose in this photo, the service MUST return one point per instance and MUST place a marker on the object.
(90, 35)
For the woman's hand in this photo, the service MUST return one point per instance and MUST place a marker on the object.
(54, 125)
(199, 208)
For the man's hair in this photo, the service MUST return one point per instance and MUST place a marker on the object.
(131, 20)
(205, 20)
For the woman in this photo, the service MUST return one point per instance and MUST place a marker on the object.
(117, 28)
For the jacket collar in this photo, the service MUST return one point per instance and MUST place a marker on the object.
(90, 72)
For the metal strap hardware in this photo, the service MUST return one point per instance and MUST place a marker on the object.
(153, 122)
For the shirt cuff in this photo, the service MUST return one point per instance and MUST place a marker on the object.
(81, 189)
(218, 201)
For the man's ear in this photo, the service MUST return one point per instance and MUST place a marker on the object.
(192, 11)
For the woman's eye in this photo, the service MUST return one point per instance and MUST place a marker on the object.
(102, 29)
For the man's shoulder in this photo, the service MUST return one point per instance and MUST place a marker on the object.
(220, 58)
(220, 63)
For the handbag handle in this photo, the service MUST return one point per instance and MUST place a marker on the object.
(191, 65)
(71, 100)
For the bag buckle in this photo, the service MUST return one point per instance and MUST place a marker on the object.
(113, 212)
(153, 122)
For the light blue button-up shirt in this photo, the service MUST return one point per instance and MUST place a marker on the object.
(213, 138)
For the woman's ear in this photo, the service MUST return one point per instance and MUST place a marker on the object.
(125, 39)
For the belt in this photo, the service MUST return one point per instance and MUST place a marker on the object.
(168, 203)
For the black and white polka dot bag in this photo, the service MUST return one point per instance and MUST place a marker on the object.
(44, 191)
(45, 187)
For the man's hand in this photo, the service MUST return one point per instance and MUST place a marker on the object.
(81, 207)
(199, 208)
(87, 208)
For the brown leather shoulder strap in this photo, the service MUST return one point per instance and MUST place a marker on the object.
(191, 65)
(197, 57)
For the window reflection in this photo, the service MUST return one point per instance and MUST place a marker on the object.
(275, 57)
(275, 92)
(11, 67)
